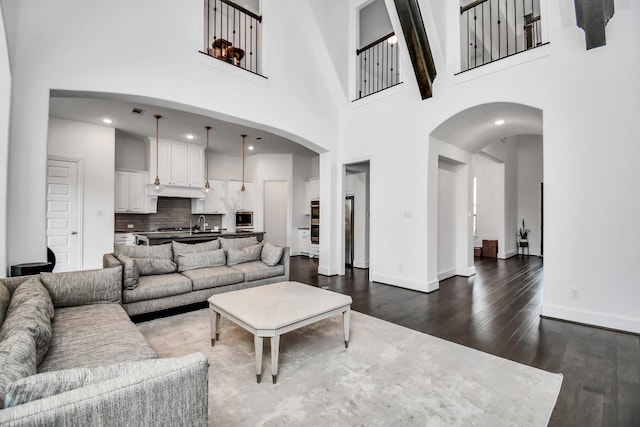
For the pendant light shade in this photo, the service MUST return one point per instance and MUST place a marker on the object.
(206, 187)
(156, 184)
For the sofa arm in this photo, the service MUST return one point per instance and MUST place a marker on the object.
(110, 261)
(159, 392)
(286, 260)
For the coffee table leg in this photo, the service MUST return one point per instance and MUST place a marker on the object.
(275, 350)
(258, 348)
(345, 325)
(215, 326)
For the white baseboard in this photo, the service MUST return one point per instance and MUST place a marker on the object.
(443, 275)
(466, 272)
(326, 271)
(406, 283)
(360, 264)
(604, 320)
(510, 254)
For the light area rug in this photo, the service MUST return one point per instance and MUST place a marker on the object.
(389, 376)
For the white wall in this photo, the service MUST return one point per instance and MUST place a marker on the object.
(222, 166)
(530, 170)
(446, 219)
(95, 146)
(374, 22)
(490, 201)
(131, 153)
(5, 115)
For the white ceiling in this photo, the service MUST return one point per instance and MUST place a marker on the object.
(474, 128)
(174, 125)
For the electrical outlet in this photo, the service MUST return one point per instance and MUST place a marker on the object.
(574, 293)
(130, 226)
(408, 214)
(400, 268)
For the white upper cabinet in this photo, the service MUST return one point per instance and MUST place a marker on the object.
(212, 202)
(314, 189)
(179, 164)
(130, 192)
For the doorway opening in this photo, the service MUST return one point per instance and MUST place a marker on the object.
(356, 215)
(276, 212)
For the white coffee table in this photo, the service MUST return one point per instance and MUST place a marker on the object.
(272, 310)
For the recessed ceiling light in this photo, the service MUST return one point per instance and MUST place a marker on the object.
(250, 148)
(499, 122)
(107, 120)
(190, 136)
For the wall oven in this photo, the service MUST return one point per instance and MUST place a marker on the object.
(315, 222)
(244, 220)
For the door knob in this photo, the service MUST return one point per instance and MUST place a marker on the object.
(74, 232)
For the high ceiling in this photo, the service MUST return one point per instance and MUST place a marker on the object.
(174, 125)
(475, 128)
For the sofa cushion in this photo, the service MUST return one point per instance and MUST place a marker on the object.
(159, 286)
(247, 254)
(130, 272)
(238, 243)
(205, 278)
(30, 310)
(271, 254)
(84, 287)
(192, 248)
(257, 270)
(94, 335)
(201, 260)
(5, 297)
(151, 266)
(154, 251)
(17, 360)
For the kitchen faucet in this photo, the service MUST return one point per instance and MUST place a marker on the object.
(204, 223)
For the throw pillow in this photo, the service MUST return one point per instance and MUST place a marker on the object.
(29, 312)
(190, 248)
(84, 287)
(150, 266)
(271, 254)
(5, 297)
(201, 260)
(31, 288)
(17, 360)
(155, 251)
(250, 253)
(130, 272)
(238, 243)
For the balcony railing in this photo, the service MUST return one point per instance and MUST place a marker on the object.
(232, 34)
(378, 66)
(495, 29)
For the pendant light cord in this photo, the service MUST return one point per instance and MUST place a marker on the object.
(157, 181)
(243, 137)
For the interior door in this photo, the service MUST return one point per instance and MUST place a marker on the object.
(276, 212)
(348, 231)
(62, 214)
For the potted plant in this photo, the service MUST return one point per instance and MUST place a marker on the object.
(523, 232)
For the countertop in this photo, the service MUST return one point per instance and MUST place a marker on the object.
(161, 237)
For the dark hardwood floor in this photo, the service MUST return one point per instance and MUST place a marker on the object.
(498, 311)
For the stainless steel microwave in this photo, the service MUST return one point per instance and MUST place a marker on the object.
(244, 219)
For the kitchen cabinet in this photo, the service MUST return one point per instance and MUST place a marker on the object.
(126, 238)
(314, 189)
(179, 164)
(212, 202)
(236, 200)
(304, 241)
(130, 191)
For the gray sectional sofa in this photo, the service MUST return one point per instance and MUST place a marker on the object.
(175, 274)
(69, 355)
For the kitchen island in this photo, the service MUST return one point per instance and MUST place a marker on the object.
(162, 237)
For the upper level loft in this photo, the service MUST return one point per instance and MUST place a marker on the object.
(495, 29)
(232, 33)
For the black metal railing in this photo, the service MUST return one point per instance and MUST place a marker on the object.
(232, 34)
(495, 29)
(378, 66)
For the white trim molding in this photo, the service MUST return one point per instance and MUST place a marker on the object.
(407, 283)
(605, 320)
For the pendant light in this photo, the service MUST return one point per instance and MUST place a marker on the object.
(156, 184)
(206, 163)
(243, 189)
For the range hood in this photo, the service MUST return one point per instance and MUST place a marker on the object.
(176, 191)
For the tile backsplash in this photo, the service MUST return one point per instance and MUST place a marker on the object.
(172, 212)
